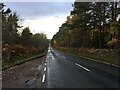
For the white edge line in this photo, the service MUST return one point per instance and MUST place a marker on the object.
(43, 79)
(44, 68)
(82, 67)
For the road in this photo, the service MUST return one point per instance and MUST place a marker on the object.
(62, 70)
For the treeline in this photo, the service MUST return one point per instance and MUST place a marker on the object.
(90, 25)
(15, 43)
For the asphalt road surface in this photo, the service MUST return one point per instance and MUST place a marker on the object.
(62, 70)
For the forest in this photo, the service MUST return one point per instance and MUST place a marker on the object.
(92, 29)
(18, 46)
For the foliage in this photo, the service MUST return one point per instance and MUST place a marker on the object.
(90, 25)
(105, 55)
(15, 44)
(112, 42)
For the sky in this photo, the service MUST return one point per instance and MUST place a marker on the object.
(42, 17)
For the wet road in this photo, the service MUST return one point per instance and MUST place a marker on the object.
(62, 70)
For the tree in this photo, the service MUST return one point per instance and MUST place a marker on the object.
(40, 40)
(26, 37)
(10, 27)
(91, 24)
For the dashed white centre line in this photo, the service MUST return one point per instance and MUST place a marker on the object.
(45, 64)
(82, 67)
(43, 78)
(44, 69)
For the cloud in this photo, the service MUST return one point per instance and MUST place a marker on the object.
(48, 25)
(44, 17)
(35, 9)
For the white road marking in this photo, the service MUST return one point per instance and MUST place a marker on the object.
(82, 67)
(45, 64)
(43, 79)
(44, 69)
(53, 57)
(46, 60)
(48, 50)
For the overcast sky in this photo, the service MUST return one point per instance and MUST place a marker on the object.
(44, 17)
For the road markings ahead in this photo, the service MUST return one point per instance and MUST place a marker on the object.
(45, 67)
(82, 67)
(43, 78)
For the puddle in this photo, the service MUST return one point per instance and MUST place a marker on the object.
(30, 82)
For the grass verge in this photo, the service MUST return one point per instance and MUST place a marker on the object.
(108, 58)
(21, 59)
